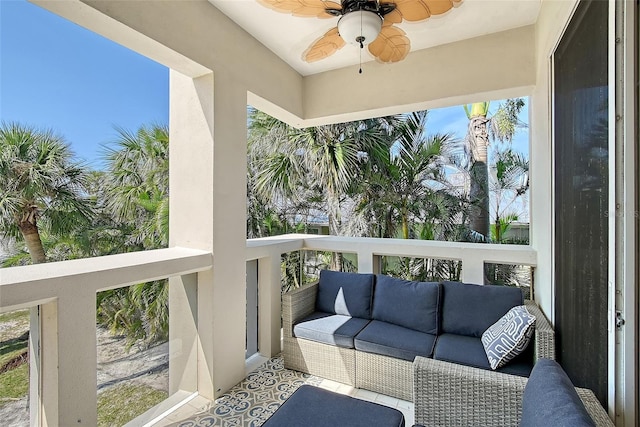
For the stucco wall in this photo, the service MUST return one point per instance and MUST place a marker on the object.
(494, 66)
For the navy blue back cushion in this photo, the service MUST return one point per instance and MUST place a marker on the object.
(413, 305)
(550, 399)
(348, 294)
(471, 309)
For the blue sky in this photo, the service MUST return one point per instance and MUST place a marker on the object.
(55, 74)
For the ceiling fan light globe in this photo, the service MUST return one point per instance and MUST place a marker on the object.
(360, 26)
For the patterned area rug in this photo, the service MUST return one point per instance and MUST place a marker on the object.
(251, 402)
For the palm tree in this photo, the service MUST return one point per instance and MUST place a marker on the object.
(409, 183)
(316, 163)
(419, 163)
(137, 201)
(312, 168)
(508, 181)
(501, 127)
(477, 141)
(138, 184)
(41, 186)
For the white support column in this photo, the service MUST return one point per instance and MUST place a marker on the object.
(68, 361)
(208, 210)
(269, 308)
(229, 231)
(190, 223)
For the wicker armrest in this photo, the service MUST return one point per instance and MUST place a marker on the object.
(449, 394)
(296, 305)
(594, 408)
(544, 337)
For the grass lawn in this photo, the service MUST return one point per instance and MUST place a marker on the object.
(14, 383)
(122, 403)
(116, 406)
(22, 315)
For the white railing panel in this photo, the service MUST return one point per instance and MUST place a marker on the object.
(468, 253)
(267, 246)
(484, 252)
(26, 286)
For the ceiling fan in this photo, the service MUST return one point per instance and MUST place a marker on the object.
(363, 23)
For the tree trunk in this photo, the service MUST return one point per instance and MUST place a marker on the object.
(405, 225)
(479, 185)
(498, 227)
(388, 229)
(29, 229)
(334, 229)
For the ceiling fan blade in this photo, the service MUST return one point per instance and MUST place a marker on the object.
(324, 47)
(393, 17)
(304, 8)
(418, 10)
(392, 45)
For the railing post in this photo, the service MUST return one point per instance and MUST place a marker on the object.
(365, 262)
(34, 367)
(68, 361)
(472, 269)
(269, 305)
(377, 264)
(183, 333)
(252, 308)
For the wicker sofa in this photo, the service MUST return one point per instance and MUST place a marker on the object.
(367, 366)
(449, 394)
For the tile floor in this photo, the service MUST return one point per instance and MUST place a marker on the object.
(252, 401)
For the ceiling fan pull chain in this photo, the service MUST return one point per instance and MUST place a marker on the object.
(361, 40)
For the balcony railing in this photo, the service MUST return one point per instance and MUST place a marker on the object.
(65, 295)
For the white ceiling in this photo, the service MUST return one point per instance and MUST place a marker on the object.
(289, 36)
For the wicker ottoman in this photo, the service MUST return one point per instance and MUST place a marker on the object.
(315, 407)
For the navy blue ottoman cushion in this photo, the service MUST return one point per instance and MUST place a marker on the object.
(315, 407)
(413, 305)
(469, 351)
(396, 341)
(348, 294)
(471, 309)
(327, 328)
(550, 399)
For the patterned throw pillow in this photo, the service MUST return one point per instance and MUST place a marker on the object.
(509, 336)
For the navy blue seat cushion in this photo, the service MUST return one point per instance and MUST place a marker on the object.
(348, 294)
(471, 309)
(413, 305)
(469, 351)
(312, 406)
(327, 328)
(396, 341)
(550, 399)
